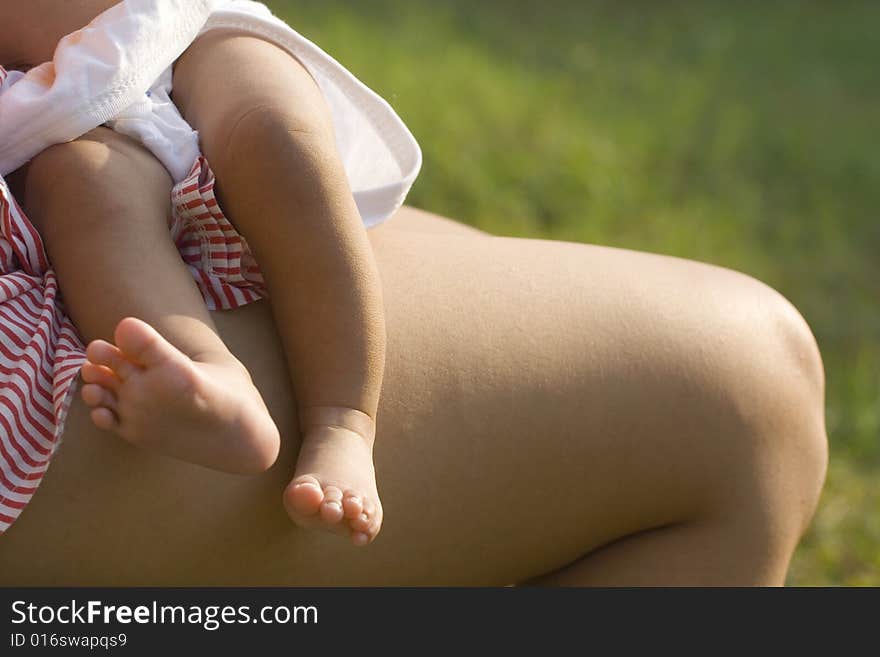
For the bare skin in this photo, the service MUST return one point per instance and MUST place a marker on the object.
(271, 143)
(576, 419)
(200, 410)
(177, 389)
(193, 400)
(31, 30)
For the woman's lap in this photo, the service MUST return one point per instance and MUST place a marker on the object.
(541, 400)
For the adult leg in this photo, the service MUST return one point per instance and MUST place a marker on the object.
(614, 416)
(101, 205)
(421, 221)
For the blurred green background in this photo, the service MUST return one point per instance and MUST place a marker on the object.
(743, 133)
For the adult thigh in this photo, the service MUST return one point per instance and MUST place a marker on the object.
(541, 400)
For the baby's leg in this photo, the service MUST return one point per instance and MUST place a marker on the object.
(101, 206)
(267, 132)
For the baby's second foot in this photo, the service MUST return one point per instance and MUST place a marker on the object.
(156, 397)
(334, 487)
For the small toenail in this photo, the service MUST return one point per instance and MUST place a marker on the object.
(356, 500)
(364, 517)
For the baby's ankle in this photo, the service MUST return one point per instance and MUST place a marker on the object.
(315, 419)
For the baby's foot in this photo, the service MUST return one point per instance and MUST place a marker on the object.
(156, 397)
(334, 487)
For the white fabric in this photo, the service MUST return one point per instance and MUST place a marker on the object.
(97, 72)
(155, 122)
(117, 71)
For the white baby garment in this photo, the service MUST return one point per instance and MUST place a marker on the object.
(117, 70)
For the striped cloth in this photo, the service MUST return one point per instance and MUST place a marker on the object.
(40, 350)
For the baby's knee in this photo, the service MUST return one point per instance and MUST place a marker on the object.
(249, 109)
(101, 164)
(98, 158)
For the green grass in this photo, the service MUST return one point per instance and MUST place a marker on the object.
(740, 133)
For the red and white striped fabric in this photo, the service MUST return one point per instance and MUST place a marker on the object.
(40, 350)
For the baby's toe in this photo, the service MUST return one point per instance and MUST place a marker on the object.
(373, 530)
(104, 418)
(304, 496)
(361, 523)
(331, 508)
(100, 352)
(352, 505)
(370, 508)
(99, 375)
(141, 343)
(95, 395)
(365, 529)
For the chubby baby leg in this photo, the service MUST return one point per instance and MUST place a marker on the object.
(267, 131)
(101, 205)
